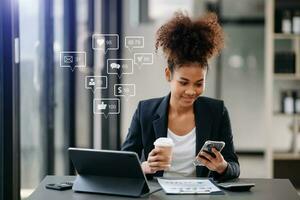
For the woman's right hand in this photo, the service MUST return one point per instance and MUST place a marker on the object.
(156, 162)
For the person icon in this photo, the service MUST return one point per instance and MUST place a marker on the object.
(92, 82)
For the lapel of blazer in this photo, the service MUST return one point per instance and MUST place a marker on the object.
(203, 121)
(160, 124)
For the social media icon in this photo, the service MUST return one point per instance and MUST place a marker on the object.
(107, 106)
(72, 59)
(115, 66)
(95, 82)
(68, 59)
(92, 82)
(119, 66)
(120, 90)
(102, 106)
(100, 42)
(105, 42)
(141, 59)
(132, 42)
(126, 90)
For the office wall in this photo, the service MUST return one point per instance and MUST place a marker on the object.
(242, 86)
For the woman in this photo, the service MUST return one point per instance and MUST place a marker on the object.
(183, 115)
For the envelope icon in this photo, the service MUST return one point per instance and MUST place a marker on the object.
(68, 59)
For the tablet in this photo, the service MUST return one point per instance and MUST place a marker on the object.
(109, 172)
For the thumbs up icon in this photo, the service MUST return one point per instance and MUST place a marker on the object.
(101, 106)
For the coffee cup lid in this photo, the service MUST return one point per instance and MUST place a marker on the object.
(164, 141)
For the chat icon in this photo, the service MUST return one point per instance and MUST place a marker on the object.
(132, 42)
(119, 66)
(143, 59)
(106, 106)
(105, 42)
(95, 82)
(115, 66)
(72, 59)
(125, 90)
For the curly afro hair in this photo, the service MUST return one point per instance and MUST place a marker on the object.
(185, 41)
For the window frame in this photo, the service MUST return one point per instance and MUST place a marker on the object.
(9, 101)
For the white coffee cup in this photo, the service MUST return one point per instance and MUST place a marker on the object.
(166, 146)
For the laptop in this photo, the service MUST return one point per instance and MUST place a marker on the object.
(109, 172)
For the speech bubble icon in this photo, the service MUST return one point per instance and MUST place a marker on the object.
(119, 66)
(132, 42)
(143, 59)
(126, 90)
(105, 42)
(106, 106)
(95, 82)
(72, 59)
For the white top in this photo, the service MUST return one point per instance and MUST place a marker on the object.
(184, 150)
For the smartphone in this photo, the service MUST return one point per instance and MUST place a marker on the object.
(236, 186)
(59, 186)
(207, 147)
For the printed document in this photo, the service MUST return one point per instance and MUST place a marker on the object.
(188, 186)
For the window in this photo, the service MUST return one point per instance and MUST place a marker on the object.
(32, 90)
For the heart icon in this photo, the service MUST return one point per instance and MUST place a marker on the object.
(100, 42)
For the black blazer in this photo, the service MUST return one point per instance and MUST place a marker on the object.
(150, 121)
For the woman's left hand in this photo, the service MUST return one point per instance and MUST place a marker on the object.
(217, 164)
